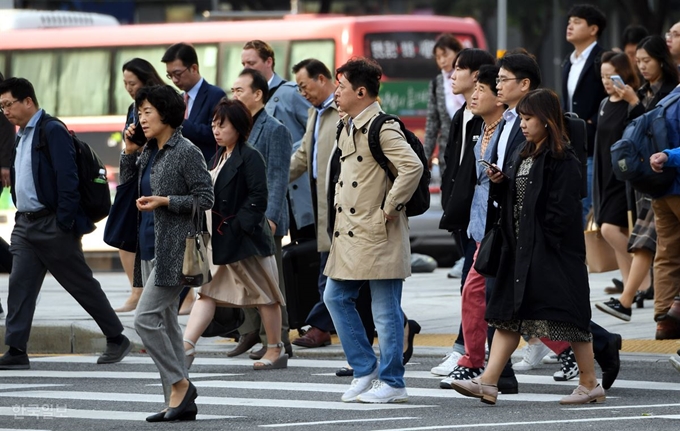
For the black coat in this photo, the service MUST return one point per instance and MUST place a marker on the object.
(542, 274)
(460, 177)
(588, 94)
(239, 226)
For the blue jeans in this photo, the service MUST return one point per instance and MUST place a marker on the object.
(588, 200)
(340, 297)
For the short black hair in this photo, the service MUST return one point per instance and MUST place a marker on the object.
(523, 67)
(362, 72)
(238, 115)
(144, 71)
(313, 67)
(473, 59)
(167, 101)
(591, 14)
(181, 51)
(447, 40)
(633, 34)
(487, 75)
(20, 89)
(258, 82)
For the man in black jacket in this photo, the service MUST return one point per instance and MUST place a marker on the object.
(582, 89)
(6, 143)
(458, 179)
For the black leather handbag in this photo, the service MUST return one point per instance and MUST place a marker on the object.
(121, 226)
(489, 253)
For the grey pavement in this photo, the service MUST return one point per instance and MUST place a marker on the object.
(61, 326)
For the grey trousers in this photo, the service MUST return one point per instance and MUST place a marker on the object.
(157, 325)
(39, 246)
(253, 321)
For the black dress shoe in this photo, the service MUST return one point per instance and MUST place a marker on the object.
(413, 329)
(609, 361)
(188, 415)
(245, 343)
(14, 362)
(115, 352)
(508, 385)
(185, 407)
(344, 372)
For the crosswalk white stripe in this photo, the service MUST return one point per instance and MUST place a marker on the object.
(335, 388)
(54, 374)
(17, 429)
(346, 421)
(295, 362)
(5, 387)
(221, 401)
(99, 414)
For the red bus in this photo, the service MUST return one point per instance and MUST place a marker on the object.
(77, 71)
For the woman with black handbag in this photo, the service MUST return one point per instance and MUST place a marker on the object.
(242, 247)
(170, 171)
(542, 283)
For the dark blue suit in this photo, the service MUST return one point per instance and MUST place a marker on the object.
(197, 128)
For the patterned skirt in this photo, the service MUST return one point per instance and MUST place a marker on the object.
(644, 231)
(555, 331)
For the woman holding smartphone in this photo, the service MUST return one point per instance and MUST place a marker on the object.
(542, 284)
(137, 73)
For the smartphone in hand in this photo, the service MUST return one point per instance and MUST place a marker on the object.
(493, 168)
(138, 136)
(617, 81)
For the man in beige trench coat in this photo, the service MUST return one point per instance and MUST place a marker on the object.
(370, 237)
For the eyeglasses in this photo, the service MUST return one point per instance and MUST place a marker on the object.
(672, 35)
(176, 74)
(5, 106)
(504, 80)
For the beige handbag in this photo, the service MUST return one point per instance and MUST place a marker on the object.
(196, 267)
(600, 256)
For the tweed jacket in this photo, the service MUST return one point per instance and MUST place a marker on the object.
(365, 245)
(301, 163)
(273, 141)
(180, 173)
(289, 107)
(438, 120)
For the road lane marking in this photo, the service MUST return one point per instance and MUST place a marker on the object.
(100, 414)
(54, 374)
(297, 424)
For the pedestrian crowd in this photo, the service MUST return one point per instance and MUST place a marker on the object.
(521, 169)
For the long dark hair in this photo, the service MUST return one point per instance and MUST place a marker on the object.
(656, 47)
(144, 71)
(623, 67)
(545, 105)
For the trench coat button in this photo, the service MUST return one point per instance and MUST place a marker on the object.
(516, 281)
(276, 99)
(339, 209)
(350, 233)
(340, 183)
(295, 187)
(364, 131)
(360, 158)
(352, 210)
(337, 234)
(355, 184)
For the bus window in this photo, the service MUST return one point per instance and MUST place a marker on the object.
(84, 83)
(322, 50)
(40, 68)
(151, 54)
(207, 62)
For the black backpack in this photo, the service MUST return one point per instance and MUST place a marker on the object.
(95, 196)
(420, 201)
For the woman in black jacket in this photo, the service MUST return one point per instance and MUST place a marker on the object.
(242, 253)
(542, 284)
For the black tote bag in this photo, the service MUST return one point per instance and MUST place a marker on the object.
(121, 226)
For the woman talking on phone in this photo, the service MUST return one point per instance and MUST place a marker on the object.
(542, 284)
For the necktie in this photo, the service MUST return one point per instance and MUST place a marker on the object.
(186, 102)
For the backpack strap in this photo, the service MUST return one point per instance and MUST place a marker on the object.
(374, 141)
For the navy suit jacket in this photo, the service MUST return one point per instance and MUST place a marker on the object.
(289, 107)
(197, 128)
(588, 94)
(272, 139)
(56, 183)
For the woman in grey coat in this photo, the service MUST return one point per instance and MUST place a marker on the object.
(170, 171)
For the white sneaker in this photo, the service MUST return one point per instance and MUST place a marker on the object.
(383, 393)
(550, 358)
(532, 357)
(359, 386)
(447, 366)
(457, 270)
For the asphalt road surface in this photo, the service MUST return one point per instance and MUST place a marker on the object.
(73, 393)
